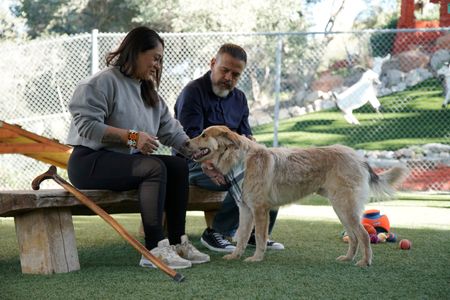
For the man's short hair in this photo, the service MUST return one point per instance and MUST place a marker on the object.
(234, 50)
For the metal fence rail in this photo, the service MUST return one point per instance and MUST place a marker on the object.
(293, 82)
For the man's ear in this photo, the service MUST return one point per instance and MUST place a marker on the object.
(212, 63)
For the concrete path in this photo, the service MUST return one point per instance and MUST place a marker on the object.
(399, 214)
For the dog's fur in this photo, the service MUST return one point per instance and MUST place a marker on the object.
(277, 176)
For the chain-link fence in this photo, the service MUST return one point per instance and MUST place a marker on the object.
(303, 89)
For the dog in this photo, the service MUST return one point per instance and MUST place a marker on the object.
(278, 176)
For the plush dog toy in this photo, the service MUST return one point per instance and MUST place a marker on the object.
(378, 221)
(375, 224)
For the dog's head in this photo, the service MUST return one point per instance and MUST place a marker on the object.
(212, 143)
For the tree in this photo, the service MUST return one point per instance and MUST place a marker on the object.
(225, 16)
(46, 17)
(39, 14)
(10, 26)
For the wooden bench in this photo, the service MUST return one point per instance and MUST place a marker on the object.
(44, 227)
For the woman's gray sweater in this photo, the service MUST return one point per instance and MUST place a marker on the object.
(111, 98)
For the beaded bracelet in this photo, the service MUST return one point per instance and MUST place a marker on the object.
(133, 137)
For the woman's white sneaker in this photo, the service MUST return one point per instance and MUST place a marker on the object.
(168, 255)
(187, 251)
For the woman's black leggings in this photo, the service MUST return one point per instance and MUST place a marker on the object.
(161, 180)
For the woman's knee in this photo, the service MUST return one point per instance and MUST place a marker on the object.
(151, 167)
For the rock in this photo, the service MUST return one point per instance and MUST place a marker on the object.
(399, 87)
(443, 42)
(410, 60)
(328, 104)
(436, 147)
(392, 78)
(317, 105)
(439, 58)
(309, 108)
(259, 117)
(299, 97)
(416, 76)
(327, 82)
(297, 111)
(361, 152)
(311, 97)
(283, 114)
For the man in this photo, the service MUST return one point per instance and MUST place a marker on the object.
(213, 99)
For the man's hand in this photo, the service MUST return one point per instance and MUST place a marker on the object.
(216, 177)
(250, 137)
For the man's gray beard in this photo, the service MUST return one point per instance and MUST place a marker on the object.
(219, 92)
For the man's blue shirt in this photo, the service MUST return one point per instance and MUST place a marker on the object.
(197, 108)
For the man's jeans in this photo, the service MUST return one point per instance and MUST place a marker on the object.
(226, 220)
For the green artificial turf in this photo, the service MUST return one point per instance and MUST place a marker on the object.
(306, 269)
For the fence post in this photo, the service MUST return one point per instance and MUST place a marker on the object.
(94, 51)
(277, 89)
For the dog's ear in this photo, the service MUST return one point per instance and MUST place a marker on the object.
(233, 137)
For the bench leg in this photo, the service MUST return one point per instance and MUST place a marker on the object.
(46, 240)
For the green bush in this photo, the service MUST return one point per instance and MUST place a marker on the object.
(382, 43)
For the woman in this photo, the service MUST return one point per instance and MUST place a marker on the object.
(117, 120)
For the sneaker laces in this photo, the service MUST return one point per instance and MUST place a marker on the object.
(169, 251)
(220, 239)
(188, 245)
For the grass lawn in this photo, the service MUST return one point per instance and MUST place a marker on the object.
(411, 117)
(306, 269)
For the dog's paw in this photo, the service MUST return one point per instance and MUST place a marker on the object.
(253, 259)
(344, 258)
(363, 263)
(230, 256)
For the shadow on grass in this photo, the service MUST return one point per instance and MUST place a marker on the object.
(305, 269)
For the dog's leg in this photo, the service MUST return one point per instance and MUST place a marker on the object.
(358, 236)
(353, 242)
(261, 215)
(356, 231)
(243, 232)
(364, 241)
(347, 207)
(352, 246)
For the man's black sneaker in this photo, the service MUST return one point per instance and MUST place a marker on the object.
(272, 245)
(215, 241)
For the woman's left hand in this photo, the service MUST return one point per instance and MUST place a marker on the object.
(147, 144)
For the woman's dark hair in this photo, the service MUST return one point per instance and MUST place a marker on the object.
(138, 40)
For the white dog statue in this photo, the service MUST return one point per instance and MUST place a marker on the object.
(445, 70)
(361, 92)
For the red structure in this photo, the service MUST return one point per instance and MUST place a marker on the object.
(405, 41)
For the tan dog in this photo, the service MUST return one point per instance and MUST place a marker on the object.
(277, 176)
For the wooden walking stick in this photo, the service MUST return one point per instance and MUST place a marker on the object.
(51, 173)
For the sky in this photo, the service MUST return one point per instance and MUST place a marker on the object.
(321, 12)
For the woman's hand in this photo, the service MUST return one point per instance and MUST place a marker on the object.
(147, 144)
(216, 177)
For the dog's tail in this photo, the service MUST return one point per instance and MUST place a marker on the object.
(383, 185)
